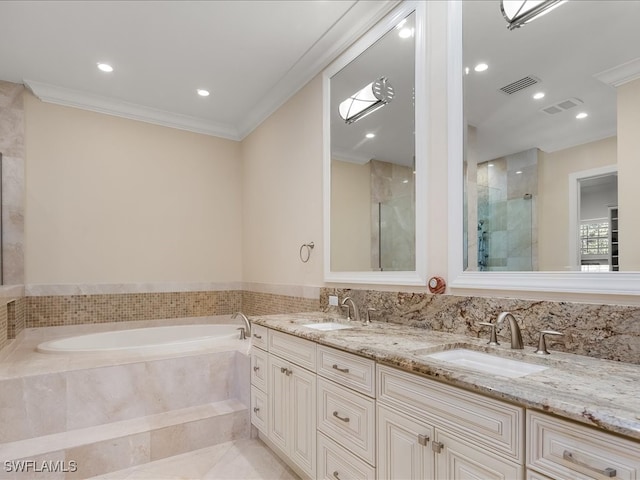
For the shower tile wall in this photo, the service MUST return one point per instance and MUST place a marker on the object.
(507, 191)
(603, 331)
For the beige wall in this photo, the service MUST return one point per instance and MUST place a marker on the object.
(111, 200)
(350, 216)
(553, 199)
(282, 200)
(628, 174)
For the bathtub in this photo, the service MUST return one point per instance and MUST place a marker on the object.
(143, 339)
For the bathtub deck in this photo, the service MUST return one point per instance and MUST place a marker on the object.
(20, 358)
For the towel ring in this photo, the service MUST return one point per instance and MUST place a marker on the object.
(306, 247)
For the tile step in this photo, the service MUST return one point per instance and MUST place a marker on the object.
(118, 445)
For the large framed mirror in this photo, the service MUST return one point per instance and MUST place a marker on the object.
(374, 163)
(542, 142)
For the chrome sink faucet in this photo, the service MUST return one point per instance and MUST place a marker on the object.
(349, 304)
(246, 330)
(516, 336)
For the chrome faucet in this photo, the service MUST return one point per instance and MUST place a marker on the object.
(348, 302)
(516, 336)
(246, 330)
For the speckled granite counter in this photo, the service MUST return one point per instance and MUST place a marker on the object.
(601, 393)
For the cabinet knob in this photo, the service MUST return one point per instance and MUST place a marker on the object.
(423, 440)
(256, 368)
(286, 371)
(437, 447)
(256, 409)
(336, 475)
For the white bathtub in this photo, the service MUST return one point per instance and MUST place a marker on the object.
(143, 339)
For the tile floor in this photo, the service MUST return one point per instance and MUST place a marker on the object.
(248, 459)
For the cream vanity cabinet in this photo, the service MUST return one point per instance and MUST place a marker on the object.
(346, 416)
(429, 430)
(559, 449)
(286, 406)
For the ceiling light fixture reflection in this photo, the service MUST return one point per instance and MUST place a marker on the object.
(105, 67)
(481, 67)
(202, 92)
(367, 100)
(370, 135)
(406, 32)
(538, 96)
(582, 115)
(519, 12)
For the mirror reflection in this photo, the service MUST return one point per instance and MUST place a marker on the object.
(372, 146)
(550, 111)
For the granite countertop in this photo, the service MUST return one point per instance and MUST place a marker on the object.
(600, 393)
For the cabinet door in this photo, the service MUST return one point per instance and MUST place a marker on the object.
(278, 402)
(404, 447)
(458, 460)
(302, 408)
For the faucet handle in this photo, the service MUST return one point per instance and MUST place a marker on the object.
(493, 339)
(542, 344)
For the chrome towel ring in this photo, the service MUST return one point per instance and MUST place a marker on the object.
(305, 251)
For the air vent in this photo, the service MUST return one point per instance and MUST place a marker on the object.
(521, 84)
(562, 106)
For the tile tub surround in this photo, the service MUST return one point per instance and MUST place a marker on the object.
(595, 392)
(609, 332)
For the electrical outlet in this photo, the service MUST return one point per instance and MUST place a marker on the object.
(333, 300)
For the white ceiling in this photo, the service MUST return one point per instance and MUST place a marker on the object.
(251, 55)
(566, 50)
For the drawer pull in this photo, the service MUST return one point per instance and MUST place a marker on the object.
(607, 472)
(259, 337)
(423, 440)
(286, 371)
(336, 367)
(335, 475)
(256, 368)
(437, 447)
(256, 409)
(344, 419)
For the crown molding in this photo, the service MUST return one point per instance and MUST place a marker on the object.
(620, 74)
(351, 26)
(111, 106)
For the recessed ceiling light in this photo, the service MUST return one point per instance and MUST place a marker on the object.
(202, 92)
(538, 96)
(582, 115)
(491, 164)
(518, 172)
(105, 67)
(370, 135)
(481, 67)
(405, 181)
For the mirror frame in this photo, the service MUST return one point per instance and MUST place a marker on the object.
(419, 275)
(618, 283)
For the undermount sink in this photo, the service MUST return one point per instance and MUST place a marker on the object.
(487, 363)
(327, 326)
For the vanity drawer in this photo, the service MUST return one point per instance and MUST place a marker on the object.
(259, 335)
(348, 418)
(334, 462)
(259, 410)
(259, 368)
(496, 425)
(562, 449)
(347, 369)
(297, 350)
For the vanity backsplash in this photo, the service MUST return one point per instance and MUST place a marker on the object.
(609, 332)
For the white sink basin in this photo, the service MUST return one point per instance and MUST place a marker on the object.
(487, 363)
(327, 326)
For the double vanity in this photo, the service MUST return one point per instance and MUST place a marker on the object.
(339, 400)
